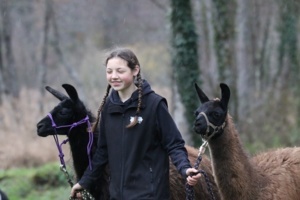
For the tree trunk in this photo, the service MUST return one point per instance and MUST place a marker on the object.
(223, 22)
(50, 22)
(245, 70)
(43, 66)
(185, 58)
(73, 74)
(2, 84)
(9, 76)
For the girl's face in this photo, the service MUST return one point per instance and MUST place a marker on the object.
(119, 75)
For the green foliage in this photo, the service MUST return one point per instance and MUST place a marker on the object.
(288, 46)
(48, 176)
(224, 35)
(294, 136)
(185, 57)
(255, 147)
(287, 29)
(43, 183)
(224, 40)
(262, 132)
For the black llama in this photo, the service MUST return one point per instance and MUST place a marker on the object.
(71, 109)
(274, 174)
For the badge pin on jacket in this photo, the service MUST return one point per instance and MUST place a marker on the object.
(140, 119)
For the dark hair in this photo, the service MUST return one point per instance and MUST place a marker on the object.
(132, 62)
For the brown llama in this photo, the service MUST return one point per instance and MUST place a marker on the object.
(270, 175)
(71, 109)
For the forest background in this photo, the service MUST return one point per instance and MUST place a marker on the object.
(253, 46)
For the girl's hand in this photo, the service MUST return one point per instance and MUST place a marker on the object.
(75, 189)
(193, 176)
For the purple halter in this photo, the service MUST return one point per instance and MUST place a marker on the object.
(89, 145)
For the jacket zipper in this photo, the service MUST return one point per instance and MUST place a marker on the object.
(122, 157)
(151, 181)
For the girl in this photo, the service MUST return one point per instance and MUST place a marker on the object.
(137, 136)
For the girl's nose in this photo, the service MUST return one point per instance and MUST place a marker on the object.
(114, 74)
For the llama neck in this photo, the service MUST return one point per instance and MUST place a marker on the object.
(232, 168)
(78, 140)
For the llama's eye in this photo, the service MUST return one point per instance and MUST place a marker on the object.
(196, 113)
(216, 114)
(64, 112)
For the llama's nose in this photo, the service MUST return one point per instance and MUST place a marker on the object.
(39, 125)
(197, 121)
(196, 127)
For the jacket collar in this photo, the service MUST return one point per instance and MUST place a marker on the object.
(117, 106)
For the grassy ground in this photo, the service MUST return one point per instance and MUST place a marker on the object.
(29, 167)
(43, 183)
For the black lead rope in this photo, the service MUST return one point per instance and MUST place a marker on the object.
(190, 195)
(209, 186)
(85, 195)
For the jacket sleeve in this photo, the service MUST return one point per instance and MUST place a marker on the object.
(99, 161)
(171, 139)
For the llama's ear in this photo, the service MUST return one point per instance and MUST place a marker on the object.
(203, 98)
(225, 94)
(56, 93)
(71, 92)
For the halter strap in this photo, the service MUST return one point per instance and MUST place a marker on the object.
(214, 127)
(189, 189)
(59, 146)
(190, 194)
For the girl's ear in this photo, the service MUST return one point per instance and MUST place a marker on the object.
(136, 70)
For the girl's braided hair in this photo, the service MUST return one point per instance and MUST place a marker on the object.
(132, 62)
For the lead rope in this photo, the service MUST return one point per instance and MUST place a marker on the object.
(190, 194)
(85, 195)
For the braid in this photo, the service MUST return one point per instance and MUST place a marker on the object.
(140, 91)
(100, 108)
(140, 83)
(132, 63)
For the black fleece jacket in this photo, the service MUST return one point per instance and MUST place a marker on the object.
(138, 157)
